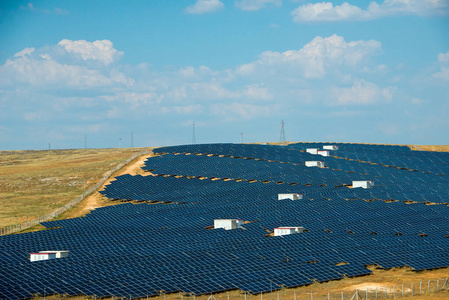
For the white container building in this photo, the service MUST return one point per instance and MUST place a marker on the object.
(42, 256)
(366, 184)
(330, 147)
(294, 196)
(312, 150)
(319, 164)
(228, 224)
(323, 152)
(287, 230)
(48, 254)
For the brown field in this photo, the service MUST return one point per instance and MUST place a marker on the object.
(35, 183)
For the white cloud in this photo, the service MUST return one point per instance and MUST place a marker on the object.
(256, 4)
(51, 68)
(257, 92)
(204, 6)
(102, 51)
(315, 58)
(237, 110)
(327, 12)
(443, 57)
(55, 11)
(443, 74)
(24, 52)
(360, 93)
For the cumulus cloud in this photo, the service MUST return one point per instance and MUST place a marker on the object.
(327, 12)
(102, 51)
(315, 58)
(52, 68)
(204, 6)
(361, 93)
(443, 59)
(256, 4)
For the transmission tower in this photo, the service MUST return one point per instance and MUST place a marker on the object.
(193, 134)
(282, 138)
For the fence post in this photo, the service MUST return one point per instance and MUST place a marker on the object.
(366, 292)
(311, 295)
(438, 285)
(376, 292)
(420, 288)
(294, 295)
(412, 289)
(342, 295)
(328, 295)
(402, 289)
(394, 291)
(385, 291)
(428, 286)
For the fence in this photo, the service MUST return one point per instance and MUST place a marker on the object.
(57, 212)
(424, 288)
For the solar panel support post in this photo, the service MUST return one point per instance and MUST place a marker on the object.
(445, 285)
(420, 288)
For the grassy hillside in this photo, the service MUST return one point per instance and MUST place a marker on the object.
(34, 183)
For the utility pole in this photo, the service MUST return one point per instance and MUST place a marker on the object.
(49, 146)
(120, 143)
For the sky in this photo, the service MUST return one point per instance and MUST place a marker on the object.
(102, 74)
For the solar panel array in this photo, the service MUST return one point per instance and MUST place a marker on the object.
(168, 246)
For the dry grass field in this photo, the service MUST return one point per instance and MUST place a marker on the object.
(34, 183)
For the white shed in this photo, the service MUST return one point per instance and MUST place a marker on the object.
(42, 256)
(312, 150)
(330, 147)
(48, 254)
(366, 184)
(319, 164)
(59, 253)
(228, 224)
(323, 152)
(287, 230)
(294, 196)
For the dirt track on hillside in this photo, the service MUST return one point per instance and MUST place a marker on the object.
(96, 199)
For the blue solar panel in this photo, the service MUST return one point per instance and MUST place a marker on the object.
(165, 244)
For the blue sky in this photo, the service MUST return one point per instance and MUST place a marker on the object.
(344, 71)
